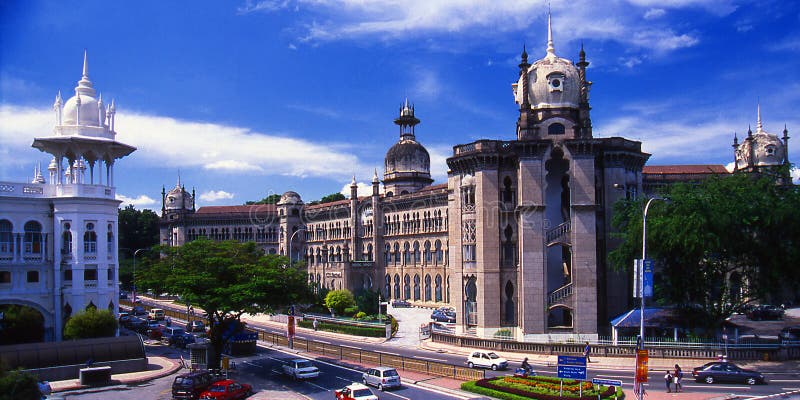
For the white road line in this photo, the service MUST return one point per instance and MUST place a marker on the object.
(317, 386)
(321, 341)
(395, 394)
(784, 380)
(613, 376)
(346, 380)
(432, 359)
(392, 354)
(718, 387)
(790, 389)
(253, 364)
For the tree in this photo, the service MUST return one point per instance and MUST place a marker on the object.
(226, 279)
(718, 244)
(18, 385)
(367, 301)
(271, 199)
(137, 230)
(332, 197)
(20, 324)
(339, 300)
(92, 323)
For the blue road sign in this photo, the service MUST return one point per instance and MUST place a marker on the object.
(572, 372)
(607, 382)
(572, 360)
(647, 278)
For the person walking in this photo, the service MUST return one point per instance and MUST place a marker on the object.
(586, 351)
(677, 378)
(315, 324)
(668, 381)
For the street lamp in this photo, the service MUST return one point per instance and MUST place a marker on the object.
(291, 238)
(133, 278)
(640, 284)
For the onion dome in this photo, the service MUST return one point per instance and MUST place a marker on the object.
(84, 108)
(760, 149)
(290, 197)
(178, 199)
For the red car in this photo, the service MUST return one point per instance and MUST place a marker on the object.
(227, 390)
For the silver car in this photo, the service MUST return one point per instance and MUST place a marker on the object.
(382, 378)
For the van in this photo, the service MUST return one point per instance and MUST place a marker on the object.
(156, 314)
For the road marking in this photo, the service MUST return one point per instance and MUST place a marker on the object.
(784, 380)
(395, 394)
(321, 341)
(718, 387)
(253, 364)
(432, 359)
(317, 386)
(346, 380)
(613, 376)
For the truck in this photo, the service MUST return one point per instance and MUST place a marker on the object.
(300, 369)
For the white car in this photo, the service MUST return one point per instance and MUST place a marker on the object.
(486, 359)
(300, 369)
(356, 391)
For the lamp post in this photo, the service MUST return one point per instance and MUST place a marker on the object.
(133, 278)
(640, 283)
(291, 238)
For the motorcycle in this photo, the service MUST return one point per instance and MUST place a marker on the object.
(524, 373)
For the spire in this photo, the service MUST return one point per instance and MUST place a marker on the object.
(353, 182)
(551, 50)
(37, 174)
(85, 85)
(759, 127)
(735, 140)
(375, 178)
(179, 179)
(85, 65)
(524, 55)
(749, 131)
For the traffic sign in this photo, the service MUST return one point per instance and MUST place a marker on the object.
(641, 365)
(572, 360)
(572, 372)
(607, 382)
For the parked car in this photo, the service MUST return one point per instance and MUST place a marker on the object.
(156, 314)
(765, 311)
(191, 385)
(227, 389)
(486, 359)
(300, 369)
(442, 328)
(139, 310)
(177, 336)
(382, 378)
(726, 372)
(195, 326)
(356, 391)
(790, 333)
(443, 316)
(124, 317)
(400, 303)
(137, 324)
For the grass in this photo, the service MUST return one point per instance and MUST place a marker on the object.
(540, 387)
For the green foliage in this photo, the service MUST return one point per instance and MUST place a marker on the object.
(20, 324)
(339, 300)
(92, 323)
(351, 311)
(504, 333)
(716, 244)
(367, 301)
(271, 199)
(18, 385)
(537, 387)
(393, 321)
(137, 230)
(332, 197)
(360, 315)
(226, 279)
(366, 331)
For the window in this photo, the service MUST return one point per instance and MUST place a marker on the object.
(90, 275)
(68, 275)
(396, 286)
(110, 239)
(66, 241)
(438, 290)
(439, 252)
(406, 254)
(33, 276)
(428, 253)
(416, 287)
(33, 237)
(469, 252)
(6, 237)
(406, 287)
(5, 277)
(555, 129)
(427, 288)
(90, 239)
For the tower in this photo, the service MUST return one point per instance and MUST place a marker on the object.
(407, 162)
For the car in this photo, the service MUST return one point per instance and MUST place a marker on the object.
(177, 336)
(195, 326)
(382, 378)
(790, 333)
(443, 316)
(765, 312)
(442, 328)
(137, 324)
(124, 317)
(156, 314)
(397, 303)
(300, 369)
(486, 359)
(356, 391)
(139, 310)
(722, 371)
(191, 385)
(227, 389)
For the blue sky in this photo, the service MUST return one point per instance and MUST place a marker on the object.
(249, 98)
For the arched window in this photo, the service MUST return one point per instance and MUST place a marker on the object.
(428, 254)
(427, 287)
(32, 243)
(387, 254)
(509, 309)
(396, 286)
(416, 287)
(369, 252)
(406, 287)
(438, 291)
(387, 287)
(110, 239)
(555, 129)
(439, 253)
(406, 253)
(397, 253)
(66, 242)
(417, 258)
(508, 191)
(6, 237)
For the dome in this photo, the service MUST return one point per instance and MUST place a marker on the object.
(760, 149)
(290, 197)
(407, 156)
(90, 111)
(178, 198)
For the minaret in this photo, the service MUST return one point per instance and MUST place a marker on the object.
(525, 115)
(37, 174)
(112, 114)
(163, 200)
(57, 107)
(583, 107)
(759, 126)
(785, 145)
(551, 49)
(735, 152)
(355, 222)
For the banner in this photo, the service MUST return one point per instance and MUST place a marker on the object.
(641, 365)
(290, 326)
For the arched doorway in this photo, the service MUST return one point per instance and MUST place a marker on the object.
(21, 324)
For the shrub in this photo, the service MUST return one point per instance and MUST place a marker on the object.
(92, 323)
(361, 316)
(394, 323)
(339, 300)
(350, 310)
(18, 385)
(542, 388)
(504, 333)
(346, 329)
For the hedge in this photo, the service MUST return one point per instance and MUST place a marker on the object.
(346, 329)
(508, 388)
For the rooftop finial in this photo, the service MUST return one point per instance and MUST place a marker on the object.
(759, 127)
(85, 65)
(353, 182)
(550, 48)
(375, 178)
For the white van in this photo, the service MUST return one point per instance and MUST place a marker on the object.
(156, 314)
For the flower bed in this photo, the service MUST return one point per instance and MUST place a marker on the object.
(540, 387)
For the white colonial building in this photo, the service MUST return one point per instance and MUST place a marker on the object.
(58, 238)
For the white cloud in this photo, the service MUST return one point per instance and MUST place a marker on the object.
(422, 20)
(140, 201)
(439, 155)
(654, 13)
(630, 62)
(364, 189)
(788, 44)
(214, 195)
(233, 166)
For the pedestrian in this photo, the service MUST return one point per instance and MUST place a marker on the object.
(168, 322)
(315, 324)
(668, 381)
(678, 378)
(586, 351)
(44, 388)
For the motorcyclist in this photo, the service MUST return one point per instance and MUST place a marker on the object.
(527, 367)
